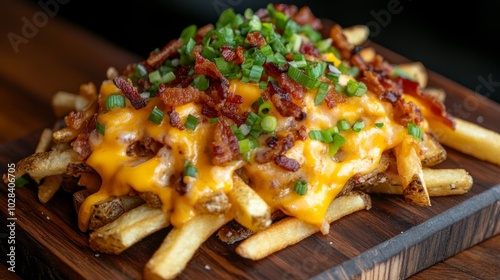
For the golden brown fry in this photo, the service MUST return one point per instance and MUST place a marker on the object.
(433, 152)
(356, 34)
(49, 186)
(180, 245)
(251, 210)
(107, 211)
(45, 141)
(63, 102)
(439, 182)
(43, 164)
(65, 135)
(291, 230)
(410, 171)
(417, 71)
(128, 229)
(437, 93)
(469, 138)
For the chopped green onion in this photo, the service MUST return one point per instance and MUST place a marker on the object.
(300, 187)
(338, 141)
(264, 108)
(100, 128)
(21, 182)
(361, 89)
(269, 123)
(213, 120)
(115, 101)
(302, 78)
(321, 94)
(379, 125)
(316, 135)
(266, 50)
(252, 119)
(326, 136)
(201, 82)
(237, 132)
(188, 33)
(191, 122)
(351, 88)
(415, 131)
(358, 126)
(245, 145)
(255, 73)
(157, 77)
(300, 60)
(343, 125)
(190, 170)
(156, 115)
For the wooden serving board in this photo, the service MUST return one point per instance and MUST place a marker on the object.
(392, 240)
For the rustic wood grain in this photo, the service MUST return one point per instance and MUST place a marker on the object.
(390, 241)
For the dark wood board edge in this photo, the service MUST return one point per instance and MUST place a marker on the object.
(442, 236)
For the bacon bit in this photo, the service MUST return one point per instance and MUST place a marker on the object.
(225, 146)
(340, 42)
(301, 133)
(130, 91)
(174, 96)
(287, 163)
(175, 119)
(229, 55)
(283, 102)
(157, 58)
(288, 10)
(201, 32)
(255, 39)
(308, 48)
(207, 67)
(295, 89)
(407, 112)
(81, 144)
(147, 147)
(305, 16)
(183, 77)
(435, 106)
(333, 98)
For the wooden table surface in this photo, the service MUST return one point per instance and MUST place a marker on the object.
(51, 55)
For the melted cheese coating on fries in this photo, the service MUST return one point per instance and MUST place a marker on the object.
(326, 177)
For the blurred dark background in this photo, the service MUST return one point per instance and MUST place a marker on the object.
(457, 41)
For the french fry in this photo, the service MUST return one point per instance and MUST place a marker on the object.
(289, 231)
(181, 243)
(131, 227)
(43, 164)
(417, 71)
(439, 182)
(433, 152)
(107, 211)
(357, 34)
(45, 141)
(251, 210)
(410, 171)
(48, 187)
(437, 93)
(469, 138)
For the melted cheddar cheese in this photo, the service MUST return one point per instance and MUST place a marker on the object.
(122, 174)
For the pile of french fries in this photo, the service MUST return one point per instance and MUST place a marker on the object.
(407, 170)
